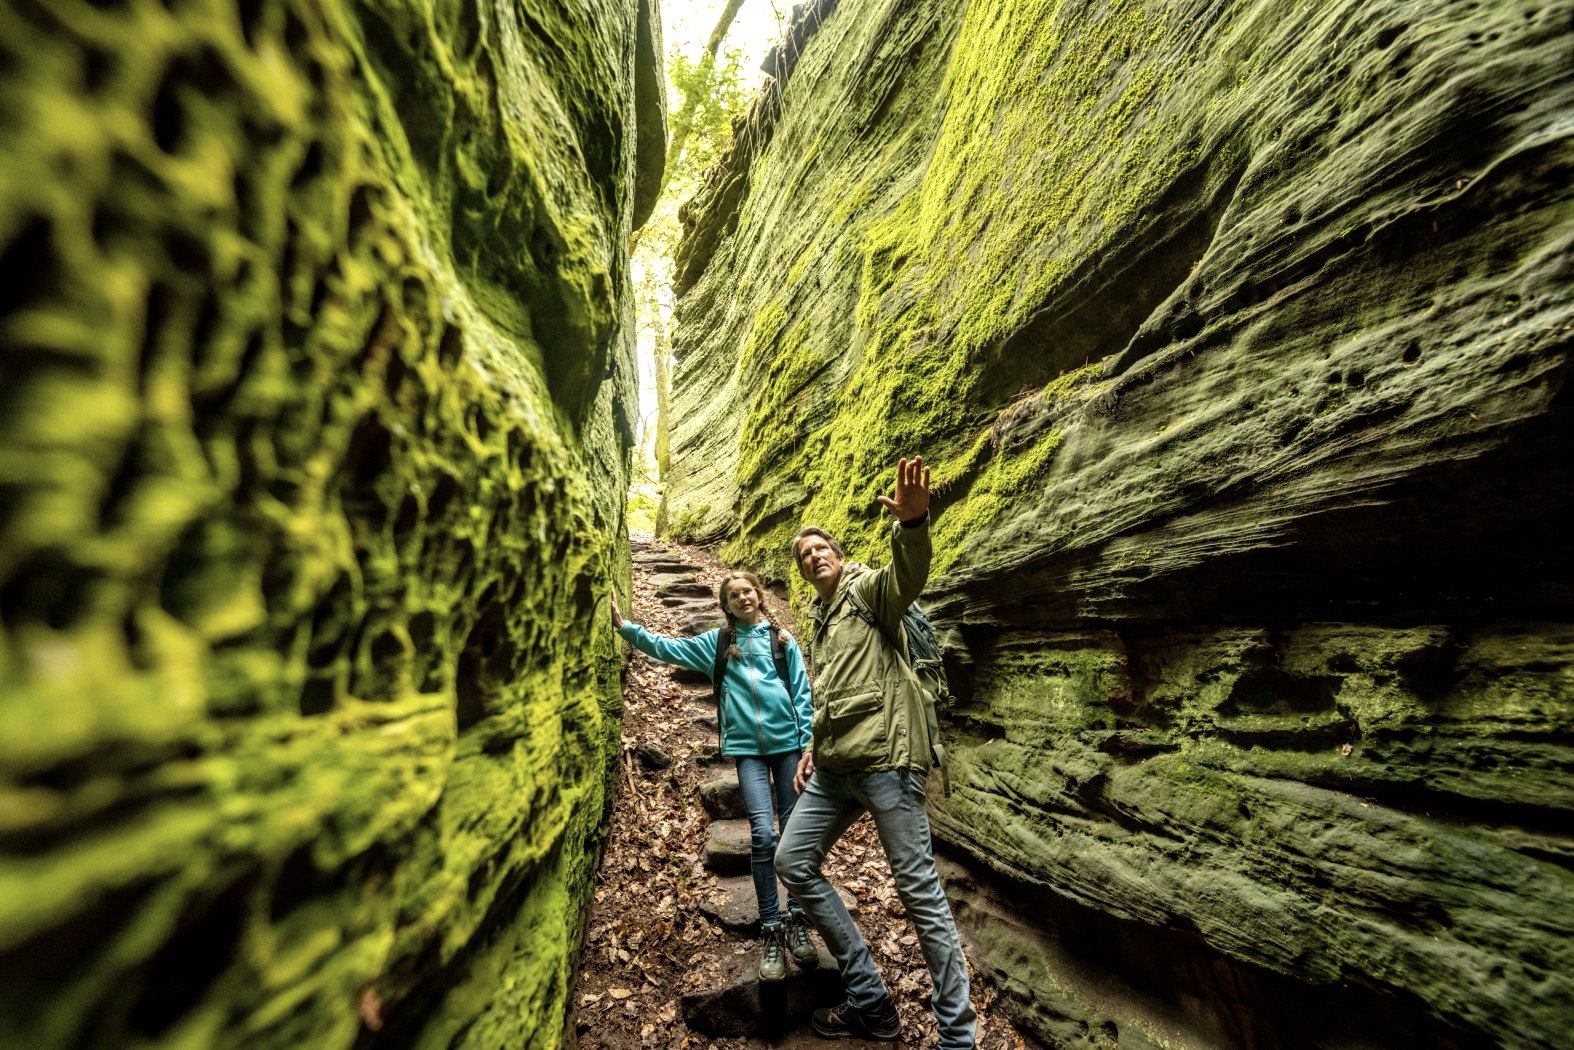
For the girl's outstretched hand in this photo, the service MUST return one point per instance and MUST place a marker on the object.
(617, 617)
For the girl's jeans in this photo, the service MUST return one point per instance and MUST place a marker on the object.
(755, 774)
(895, 798)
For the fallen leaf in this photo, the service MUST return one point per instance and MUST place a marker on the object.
(619, 993)
(370, 1008)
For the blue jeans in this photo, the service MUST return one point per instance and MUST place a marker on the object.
(895, 798)
(755, 773)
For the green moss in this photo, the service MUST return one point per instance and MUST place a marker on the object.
(796, 274)
(312, 479)
(776, 424)
(960, 261)
(761, 346)
(689, 523)
(1006, 474)
(1036, 691)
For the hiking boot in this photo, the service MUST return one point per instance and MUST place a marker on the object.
(847, 1021)
(799, 946)
(773, 960)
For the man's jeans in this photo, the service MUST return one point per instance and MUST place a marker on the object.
(754, 782)
(895, 798)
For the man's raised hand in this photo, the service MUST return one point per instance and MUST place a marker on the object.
(911, 501)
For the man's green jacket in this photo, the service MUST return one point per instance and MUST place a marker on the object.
(870, 713)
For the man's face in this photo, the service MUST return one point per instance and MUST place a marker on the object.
(818, 561)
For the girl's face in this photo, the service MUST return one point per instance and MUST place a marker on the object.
(743, 601)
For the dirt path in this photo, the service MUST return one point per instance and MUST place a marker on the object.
(650, 941)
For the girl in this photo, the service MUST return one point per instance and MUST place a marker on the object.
(764, 727)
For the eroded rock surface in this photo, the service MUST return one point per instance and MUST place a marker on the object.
(315, 387)
(1238, 334)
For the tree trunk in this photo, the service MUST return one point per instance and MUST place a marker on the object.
(663, 399)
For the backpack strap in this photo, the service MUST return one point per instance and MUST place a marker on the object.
(779, 658)
(779, 654)
(867, 615)
(718, 675)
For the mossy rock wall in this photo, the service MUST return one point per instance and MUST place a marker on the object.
(1238, 337)
(315, 386)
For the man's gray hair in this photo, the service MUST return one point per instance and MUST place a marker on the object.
(813, 530)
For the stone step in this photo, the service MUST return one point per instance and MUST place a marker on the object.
(681, 587)
(727, 847)
(666, 579)
(743, 1006)
(686, 603)
(697, 623)
(692, 603)
(721, 797)
(665, 564)
(735, 907)
(689, 676)
(652, 757)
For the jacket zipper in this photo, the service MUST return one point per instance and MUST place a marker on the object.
(759, 716)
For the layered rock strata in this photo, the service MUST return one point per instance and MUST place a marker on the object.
(1238, 337)
(315, 393)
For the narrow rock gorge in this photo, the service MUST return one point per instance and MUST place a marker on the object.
(316, 385)
(1237, 334)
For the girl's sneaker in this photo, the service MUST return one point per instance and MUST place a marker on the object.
(773, 960)
(799, 945)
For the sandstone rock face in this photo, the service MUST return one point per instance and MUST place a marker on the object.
(315, 385)
(1238, 334)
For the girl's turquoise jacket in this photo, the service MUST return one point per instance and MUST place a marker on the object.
(761, 714)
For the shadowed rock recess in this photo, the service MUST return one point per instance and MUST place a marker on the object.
(1239, 335)
(316, 374)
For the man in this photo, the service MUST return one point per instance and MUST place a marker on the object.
(871, 751)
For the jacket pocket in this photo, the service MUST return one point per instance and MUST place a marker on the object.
(855, 729)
